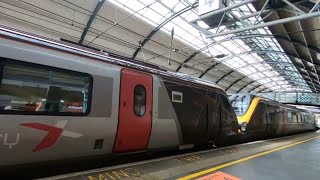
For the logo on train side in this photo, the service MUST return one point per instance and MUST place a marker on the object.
(54, 132)
(10, 143)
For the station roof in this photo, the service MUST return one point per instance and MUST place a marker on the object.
(240, 54)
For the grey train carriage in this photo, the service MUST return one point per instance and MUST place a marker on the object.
(60, 101)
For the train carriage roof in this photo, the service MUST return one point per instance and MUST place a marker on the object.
(94, 53)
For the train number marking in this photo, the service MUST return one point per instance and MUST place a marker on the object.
(6, 140)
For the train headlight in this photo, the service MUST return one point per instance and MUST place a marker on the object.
(243, 127)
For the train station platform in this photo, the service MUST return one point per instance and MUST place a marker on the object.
(291, 157)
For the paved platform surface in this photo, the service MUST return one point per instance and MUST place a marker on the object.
(293, 157)
(298, 162)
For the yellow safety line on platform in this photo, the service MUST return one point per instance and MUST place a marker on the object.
(241, 160)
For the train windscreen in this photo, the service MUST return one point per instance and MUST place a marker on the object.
(240, 103)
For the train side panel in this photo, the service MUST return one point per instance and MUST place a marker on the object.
(286, 121)
(190, 109)
(85, 95)
(35, 138)
(166, 130)
(228, 131)
(260, 126)
(204, 114)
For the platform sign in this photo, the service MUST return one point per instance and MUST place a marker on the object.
(206, 6)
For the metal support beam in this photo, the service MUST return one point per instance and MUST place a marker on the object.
(293, 6)
(294, 41)
(248, 52)
(273, 77)
(266, 16)
(302, 87)
(254, 88)
(193, 55)
(211, 67)
(315, 7)
(235, 82)
(272, 51)
(293, 80)
(221, 20)
(260, 13)
(209, 14)
(290, 11)
(92, 17)
(299, 83)
(266, 13)
(245, 86)
(188, 59)
(224, 76)
(267, 24)
(276, 69)
(262, 90)
(303, 64)
(311, 58)
(262, 9)
(154, 31)
(311, 85)
(207, 70)
(278, 52)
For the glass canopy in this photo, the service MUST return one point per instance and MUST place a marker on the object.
(298, 98)
(260, 58)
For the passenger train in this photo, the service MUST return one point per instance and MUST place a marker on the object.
(261, 118)
(60, 101)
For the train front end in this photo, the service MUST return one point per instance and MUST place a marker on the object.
(244, 106)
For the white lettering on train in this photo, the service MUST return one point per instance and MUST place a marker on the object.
(8, 141)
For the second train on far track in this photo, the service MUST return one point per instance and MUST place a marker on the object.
(261, 118)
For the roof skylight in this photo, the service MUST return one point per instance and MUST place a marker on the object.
(239, 55)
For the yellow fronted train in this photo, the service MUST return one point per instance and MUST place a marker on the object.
(261, 118)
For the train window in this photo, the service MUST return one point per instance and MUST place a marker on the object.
(240, 104)
(294, 117)
(28, 88)
(177, 97)
(139, 106)
(303, 117)
(308, 118)
(299, 118)
(289, 116)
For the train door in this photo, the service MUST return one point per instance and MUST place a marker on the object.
(269, 122)
(284, 123)
(135, 114)
(213, 120)
(208, 120)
